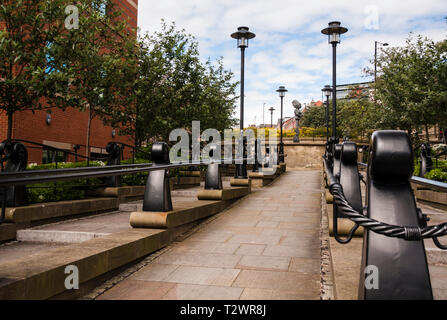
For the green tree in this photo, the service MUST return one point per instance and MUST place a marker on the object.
(357, 117)
(29, 78)
(411, 86)
(174, 88)
(314, 117)
(100, 57)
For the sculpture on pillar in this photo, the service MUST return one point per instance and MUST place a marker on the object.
(298, 116)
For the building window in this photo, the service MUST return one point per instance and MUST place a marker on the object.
(49, 156)
(100, 6)
(98, 156)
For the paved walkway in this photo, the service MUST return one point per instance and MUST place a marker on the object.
(265, 247)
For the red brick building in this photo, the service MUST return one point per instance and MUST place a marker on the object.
(67, 128)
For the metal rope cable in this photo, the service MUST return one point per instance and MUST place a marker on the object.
(411, 233)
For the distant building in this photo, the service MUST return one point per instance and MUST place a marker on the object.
(352, 91)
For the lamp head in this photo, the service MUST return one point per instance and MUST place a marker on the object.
(282, 91)
(242, 35)
(333, 31)
(327, 90)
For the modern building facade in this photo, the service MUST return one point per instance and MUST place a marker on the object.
(354, 90)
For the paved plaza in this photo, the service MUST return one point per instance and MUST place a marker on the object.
(267, 246)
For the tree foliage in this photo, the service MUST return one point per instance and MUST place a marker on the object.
(411, 88)
(355, 117)
(27, 30)
(174, 88)
(145, 87)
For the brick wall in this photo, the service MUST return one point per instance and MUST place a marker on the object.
(69, 127)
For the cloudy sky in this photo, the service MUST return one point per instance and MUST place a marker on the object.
(289, 48)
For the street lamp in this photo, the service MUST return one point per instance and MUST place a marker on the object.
(375, 57)
(327, 91)
(263, 111)
(243, 36)
(271, 116)
(282, 93)
(333, 31)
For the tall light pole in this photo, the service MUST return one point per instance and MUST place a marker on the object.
(333, 31)
(271, 116)
(242, 35)
(282, 93)
(375, 57)
(327, 91)
(263, 111)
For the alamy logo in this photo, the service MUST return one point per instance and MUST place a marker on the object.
(372, 17)
(207, 146)
(72, 20)
(72, 280)
(372, 277)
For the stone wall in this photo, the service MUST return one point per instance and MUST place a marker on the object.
(304, 155)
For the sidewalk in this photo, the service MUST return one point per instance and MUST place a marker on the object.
(265, 247)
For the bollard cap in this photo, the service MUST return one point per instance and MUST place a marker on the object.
(349, 153)
(160, 153)
(391, 157)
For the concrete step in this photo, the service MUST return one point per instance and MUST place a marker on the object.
(54, 236)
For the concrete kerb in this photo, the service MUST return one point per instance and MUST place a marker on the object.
(328, 291)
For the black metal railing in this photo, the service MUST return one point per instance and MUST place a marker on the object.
(9, 179)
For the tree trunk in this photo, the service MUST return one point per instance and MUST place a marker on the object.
(87, 151)
(9, 136)
(427, 135)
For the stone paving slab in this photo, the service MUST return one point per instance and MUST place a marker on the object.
(267, 246)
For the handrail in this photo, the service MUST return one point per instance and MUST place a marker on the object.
(71, 170)
(51, 147)
(134, 148)
(32, 177)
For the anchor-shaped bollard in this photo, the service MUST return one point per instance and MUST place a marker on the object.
(213, 177)
(157, 195)
(401, 265)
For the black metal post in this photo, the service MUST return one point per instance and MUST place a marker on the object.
(375, 62)
(241, 169)
(242, 88)
(334, 91)
(281, 144)
(327, 118)
(334, 98)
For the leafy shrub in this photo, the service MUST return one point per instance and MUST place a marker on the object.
(65, 165)
(417, 167)
(50, 192)
(437, 175)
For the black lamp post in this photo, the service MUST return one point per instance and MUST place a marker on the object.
(327, 90)
(282, 93)
(271, 116)
(375, 57)
(333, 31)
(242, 35)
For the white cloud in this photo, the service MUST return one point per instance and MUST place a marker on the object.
(289, 48)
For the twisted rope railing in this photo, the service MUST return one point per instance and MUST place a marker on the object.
(410, 233)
